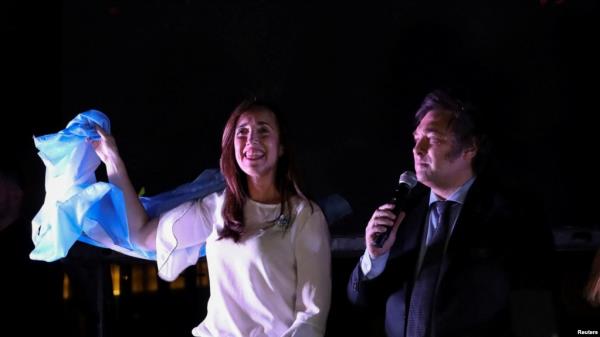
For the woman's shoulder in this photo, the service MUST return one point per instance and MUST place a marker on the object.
(213, 200)
(303, 205)
(307, 212)
(309, 219)
(208, 204)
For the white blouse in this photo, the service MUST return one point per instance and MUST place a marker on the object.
(275, 282)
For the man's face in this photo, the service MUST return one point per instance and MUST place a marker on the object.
(440, 163)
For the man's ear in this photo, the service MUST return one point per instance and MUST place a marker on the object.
(470, 151)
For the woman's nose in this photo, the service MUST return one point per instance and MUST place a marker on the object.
(252, 137)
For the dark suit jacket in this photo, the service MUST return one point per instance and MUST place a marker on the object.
(488, 254)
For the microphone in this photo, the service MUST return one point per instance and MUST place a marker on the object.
(407, 181)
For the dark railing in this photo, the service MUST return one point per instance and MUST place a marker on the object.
(108, 294)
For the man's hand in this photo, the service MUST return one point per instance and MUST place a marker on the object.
(382, 218)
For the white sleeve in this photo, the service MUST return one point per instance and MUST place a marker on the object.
(373, 267)
(180, 235)
(313, 275)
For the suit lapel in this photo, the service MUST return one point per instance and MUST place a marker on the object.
(470, 215)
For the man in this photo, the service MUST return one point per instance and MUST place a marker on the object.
(450, 262)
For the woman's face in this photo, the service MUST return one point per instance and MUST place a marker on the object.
(257, 146)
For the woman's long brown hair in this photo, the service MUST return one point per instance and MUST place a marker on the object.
(236, 191)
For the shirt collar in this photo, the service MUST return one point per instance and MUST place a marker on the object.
(457, 196)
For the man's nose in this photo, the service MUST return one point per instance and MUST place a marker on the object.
(420, 147)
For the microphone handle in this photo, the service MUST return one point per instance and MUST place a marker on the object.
(383, 236)
(398, 199)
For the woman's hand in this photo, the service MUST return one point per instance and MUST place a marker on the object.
(106, 147)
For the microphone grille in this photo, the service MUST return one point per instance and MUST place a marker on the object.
(409, 178)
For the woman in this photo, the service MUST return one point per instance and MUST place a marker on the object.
(267, 246)
(591, 292)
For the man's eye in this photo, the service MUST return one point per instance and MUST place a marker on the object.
(435, 140)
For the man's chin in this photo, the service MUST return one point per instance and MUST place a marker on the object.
(423, 176)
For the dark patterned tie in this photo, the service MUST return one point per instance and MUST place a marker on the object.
(421, 300)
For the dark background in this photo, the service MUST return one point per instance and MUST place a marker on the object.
(349, 77)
